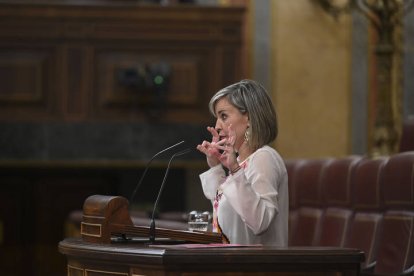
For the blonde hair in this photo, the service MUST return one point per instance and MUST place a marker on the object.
(250, 97)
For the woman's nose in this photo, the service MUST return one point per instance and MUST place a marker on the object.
(218, 126)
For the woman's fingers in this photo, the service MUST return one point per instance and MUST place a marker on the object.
(208, 148)
(214, 133)
(201, 148)
(221, 151)
(221, 142)
(232, 135)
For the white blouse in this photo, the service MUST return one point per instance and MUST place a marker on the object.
(254, 205)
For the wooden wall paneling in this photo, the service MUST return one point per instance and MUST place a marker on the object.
(207, 39)
(27, 78)
(58, 64)
(56, 194)
(231, 64)
(186, 97)
(76, 77)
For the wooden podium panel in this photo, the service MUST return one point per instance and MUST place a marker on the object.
(103, 250)
(86, 258)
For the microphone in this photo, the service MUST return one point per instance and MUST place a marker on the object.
(146, 169)
(152, 225)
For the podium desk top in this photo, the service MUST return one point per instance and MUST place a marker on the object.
(216, 255)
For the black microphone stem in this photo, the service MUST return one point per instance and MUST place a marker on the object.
(152, 225)
(146, 169)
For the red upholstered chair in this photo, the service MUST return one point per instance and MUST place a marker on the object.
(292, 166)
(396, 243)
(337, 197)
(309, 199)
(407, 136)
(368, 206)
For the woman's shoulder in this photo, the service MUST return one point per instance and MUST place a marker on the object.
(267, 152)
(268, 157)
(266, 149)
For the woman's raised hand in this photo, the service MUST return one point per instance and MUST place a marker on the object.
(228, 157)
(210, 149)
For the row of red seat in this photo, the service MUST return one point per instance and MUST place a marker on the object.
(356, 202)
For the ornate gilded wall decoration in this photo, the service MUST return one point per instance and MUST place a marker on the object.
(386, 18)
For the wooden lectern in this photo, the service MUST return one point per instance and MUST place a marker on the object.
(105, 217)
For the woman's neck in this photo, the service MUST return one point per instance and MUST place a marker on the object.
(244, 151)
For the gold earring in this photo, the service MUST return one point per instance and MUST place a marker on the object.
(246, 135)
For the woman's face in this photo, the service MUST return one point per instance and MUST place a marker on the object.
(227, 114)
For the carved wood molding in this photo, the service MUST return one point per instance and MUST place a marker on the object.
(77, 48)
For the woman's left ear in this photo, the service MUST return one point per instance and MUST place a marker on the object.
(248, 120)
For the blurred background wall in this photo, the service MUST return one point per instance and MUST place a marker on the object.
(321, 71)
(90, 90)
